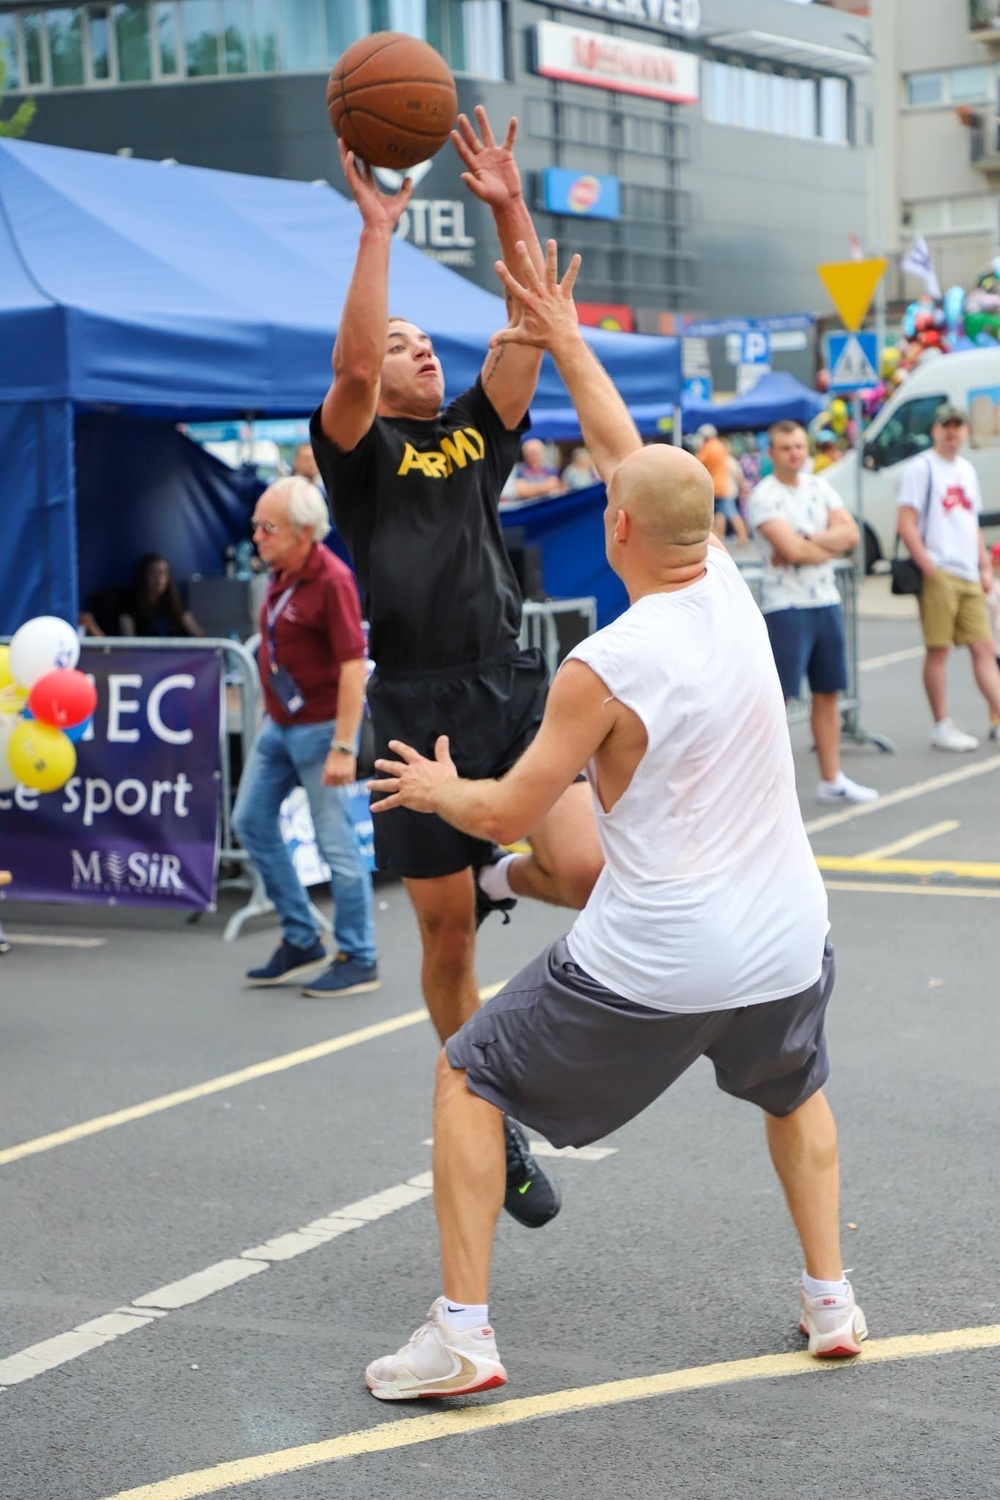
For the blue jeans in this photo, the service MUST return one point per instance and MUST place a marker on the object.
(283, 757)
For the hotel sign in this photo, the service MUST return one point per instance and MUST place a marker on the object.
(674, 15)
(610, 62)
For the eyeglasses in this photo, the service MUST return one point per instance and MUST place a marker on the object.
(267, 527)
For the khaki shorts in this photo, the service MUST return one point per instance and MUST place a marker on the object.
(952, 611)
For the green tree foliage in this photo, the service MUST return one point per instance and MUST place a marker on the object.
(22, 117)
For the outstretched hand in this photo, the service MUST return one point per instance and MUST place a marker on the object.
(377, 209)
(491, 172)
(544, 306)
(412, 781)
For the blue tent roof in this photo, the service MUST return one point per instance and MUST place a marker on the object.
(777, 394)
(186, 292)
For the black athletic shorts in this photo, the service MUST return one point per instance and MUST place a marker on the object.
(490, 712)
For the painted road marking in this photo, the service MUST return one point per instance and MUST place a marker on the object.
(903, 794)
(872, 663)
(967, 869)
(264, 1069)
(406, 1432)
(15, 1369)
(922, 836)
(43, 940)
(883, 888)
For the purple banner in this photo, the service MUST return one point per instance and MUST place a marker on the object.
(138, 822)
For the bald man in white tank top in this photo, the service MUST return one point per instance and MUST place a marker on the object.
(706, 934)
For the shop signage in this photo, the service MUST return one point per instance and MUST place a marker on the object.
(674, 15)
(435, 225)
(611, 62)
(587, 195)
(613, 316)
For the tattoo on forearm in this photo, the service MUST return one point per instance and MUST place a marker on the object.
(491, 369)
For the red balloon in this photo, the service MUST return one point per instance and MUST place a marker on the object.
(63, 698)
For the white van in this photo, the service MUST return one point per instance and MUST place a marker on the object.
(903, 428)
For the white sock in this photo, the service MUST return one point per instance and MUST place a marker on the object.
(838, 780)
(814, 1288)
(466, 1317)
(493, 879)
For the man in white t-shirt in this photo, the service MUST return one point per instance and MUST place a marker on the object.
(805, 527)
(938, 519)
(706, 932)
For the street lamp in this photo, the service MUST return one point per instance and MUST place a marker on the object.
(877, 235)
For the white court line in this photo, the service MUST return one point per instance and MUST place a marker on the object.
(903, 794)
(872, 663)
(912, 840)
(40, 940)
(15, 1369)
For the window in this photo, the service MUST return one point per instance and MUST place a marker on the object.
(236, 36)
(926, 217)
(302, 35)
(99, 35)
(969, 84)
(346, 20)
(9, 68)
(482, 39)
(131, 28)
(925, 88)
(167, 48)
(266, 34)
(65, 28)
(906, 433)
(199, 22)
(34, 48)
(804, 108)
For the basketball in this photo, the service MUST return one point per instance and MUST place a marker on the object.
(392, 100)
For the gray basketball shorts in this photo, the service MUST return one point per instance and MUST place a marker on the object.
(562, 1054)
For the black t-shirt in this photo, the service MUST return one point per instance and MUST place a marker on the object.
(416, 503)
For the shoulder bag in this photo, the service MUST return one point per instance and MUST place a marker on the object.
(906, 576)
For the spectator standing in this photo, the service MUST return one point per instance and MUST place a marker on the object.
(313, 671)
(828, 450)
(715, 455)
(579, 473)
(806, 526)
(153, 605)
(304, 464)
(533, 478)
(938, 519)
(739, 490)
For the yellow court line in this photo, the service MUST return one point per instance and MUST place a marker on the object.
(407, 1432)
(264, 1069)
(969, 868)
(922, 836)
(884, 888)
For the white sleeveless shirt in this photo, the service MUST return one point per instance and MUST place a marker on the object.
(710, 897)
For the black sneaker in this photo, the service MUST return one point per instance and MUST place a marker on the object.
(532, 1199)
(485, 904)
(288, 962)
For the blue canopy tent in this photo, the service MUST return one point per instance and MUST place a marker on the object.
(142, 289)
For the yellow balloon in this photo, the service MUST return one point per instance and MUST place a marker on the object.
(6, 675)
(13, 697)
(41, 757)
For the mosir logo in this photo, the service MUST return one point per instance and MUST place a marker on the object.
(113, 873)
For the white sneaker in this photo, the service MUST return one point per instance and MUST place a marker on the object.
(438, 1361)
(947, 736)
(834, 1326)
(845, 790)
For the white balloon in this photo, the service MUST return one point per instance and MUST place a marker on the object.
(40, 646)
(8, 723)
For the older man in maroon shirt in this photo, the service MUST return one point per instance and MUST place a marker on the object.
(313, 671)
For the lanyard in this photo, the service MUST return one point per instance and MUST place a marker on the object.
(272, 618)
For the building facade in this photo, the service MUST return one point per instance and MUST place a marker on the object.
(703, 155)
(938, 87)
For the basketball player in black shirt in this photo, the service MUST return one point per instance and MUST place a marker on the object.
(414, 491)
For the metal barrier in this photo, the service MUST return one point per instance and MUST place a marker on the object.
(539, 627)
(850, 701)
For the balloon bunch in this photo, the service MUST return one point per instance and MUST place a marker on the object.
(46, 705)
(836, 418)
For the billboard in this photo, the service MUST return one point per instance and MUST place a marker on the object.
(585, 195)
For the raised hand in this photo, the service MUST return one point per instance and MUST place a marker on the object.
(378, 210)
(412, 781)
(491, 171)
(545, 310)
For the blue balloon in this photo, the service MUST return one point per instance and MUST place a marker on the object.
(78, 731)
(954, 309)
(910, 319)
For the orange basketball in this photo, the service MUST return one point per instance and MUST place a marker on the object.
(392, 100)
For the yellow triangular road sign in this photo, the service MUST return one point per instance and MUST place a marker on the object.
(851, 284)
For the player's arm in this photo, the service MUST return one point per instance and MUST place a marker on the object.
(491, 173)
(349, 404)
(579, 716)
(548, 321)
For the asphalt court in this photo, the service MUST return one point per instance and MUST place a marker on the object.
(671, 1257)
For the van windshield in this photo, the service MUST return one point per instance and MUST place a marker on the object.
(907, 432)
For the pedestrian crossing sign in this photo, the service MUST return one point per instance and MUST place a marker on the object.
(853, 361)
